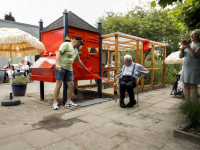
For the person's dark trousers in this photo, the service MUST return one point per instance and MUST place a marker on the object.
(127, 83)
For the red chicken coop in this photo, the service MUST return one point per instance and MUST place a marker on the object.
(61, 30)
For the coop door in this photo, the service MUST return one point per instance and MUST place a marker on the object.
(92, 58)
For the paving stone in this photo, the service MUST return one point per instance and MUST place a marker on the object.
(177, 144)
(94, 119)
(143, 114)
(14, 130)
(110, 129)
(74, 129)
(14, 143)
(135, 145)
(106, 105)
(73, 114)
(114, 114)
(149, 137)
(137, 122)
(174, 100)
(163, 127)
(164, 105)
(63, 145)
(40, 138)
(126, 110)
(164, 117)
(95, 111)
(150, 100)
(93, 141)
(119, 139)
(159, 110)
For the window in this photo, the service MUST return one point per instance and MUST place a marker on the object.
(93, 51)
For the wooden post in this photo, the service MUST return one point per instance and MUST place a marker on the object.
(108, 65)
(116, 62)
(152, 65)
(137, 52)
(142, 63)
(164, 65)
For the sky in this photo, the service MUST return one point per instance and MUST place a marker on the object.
(31, 11)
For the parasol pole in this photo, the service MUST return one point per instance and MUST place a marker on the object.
(11, 71)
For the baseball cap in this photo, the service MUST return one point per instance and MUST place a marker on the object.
(78, 38)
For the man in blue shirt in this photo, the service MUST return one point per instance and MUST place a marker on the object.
(130, 72)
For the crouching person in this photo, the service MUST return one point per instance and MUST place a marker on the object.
(130, 73)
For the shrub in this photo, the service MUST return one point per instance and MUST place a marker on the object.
(190, 109)
(20, 80)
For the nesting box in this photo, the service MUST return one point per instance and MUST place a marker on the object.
(65, 28)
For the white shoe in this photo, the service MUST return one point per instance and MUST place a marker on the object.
(55, 106)
(71, 104)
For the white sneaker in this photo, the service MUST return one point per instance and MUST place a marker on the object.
(55, 106)
(71, 104)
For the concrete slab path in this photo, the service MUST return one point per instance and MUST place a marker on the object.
(34, 125)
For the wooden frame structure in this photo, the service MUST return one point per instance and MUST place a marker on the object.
(116, 42)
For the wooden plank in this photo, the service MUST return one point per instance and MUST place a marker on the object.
(107, 36)
(105, 69)
(142, 63)
(152, 65)
(164, 65)
(137, 52)
(125, 42)
(84, 85)
(159, 85)
(128, 37)
(108, 63)
(116, 61)
(158, 68)
(124, 49)
(113, 44)
(155, 44)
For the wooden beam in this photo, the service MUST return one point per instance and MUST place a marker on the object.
(152, 66)
(160, 44)
(128, 37)
(124, 49)
(108, 64)
(113, 44)
(142, 63)
(110, 40)
(137, 52)
(164, 65)
(124, 42)
(107, 36)
(116, 61)
(158, 68)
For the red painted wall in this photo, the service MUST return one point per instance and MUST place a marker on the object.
(52, 41)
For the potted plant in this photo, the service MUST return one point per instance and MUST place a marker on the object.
(19, 84)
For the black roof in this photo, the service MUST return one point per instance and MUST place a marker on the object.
(73, 21)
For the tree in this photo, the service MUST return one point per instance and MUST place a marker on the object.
(9, 17)
(150, 24)
(186, 13)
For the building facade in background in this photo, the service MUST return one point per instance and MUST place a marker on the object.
(31, 29)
